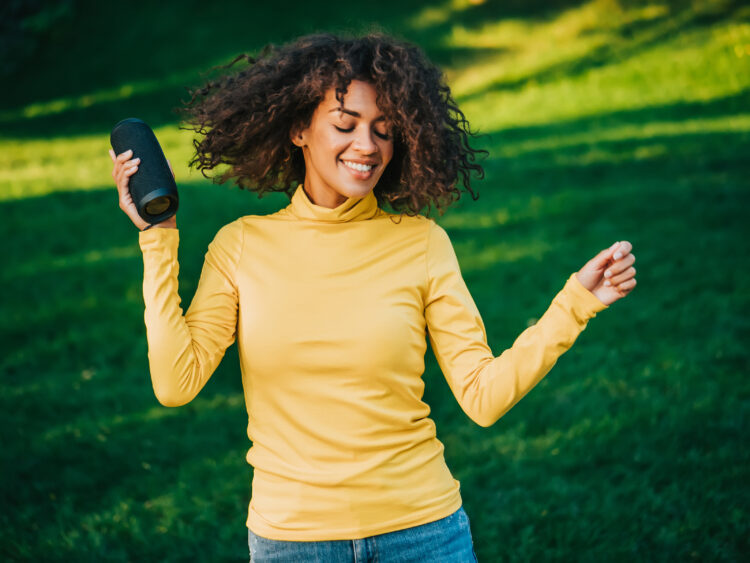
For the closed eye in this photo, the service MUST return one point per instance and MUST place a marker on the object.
(383, 136)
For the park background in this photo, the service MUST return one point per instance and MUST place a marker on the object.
(604, 120)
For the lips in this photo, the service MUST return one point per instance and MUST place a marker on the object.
(360, 169)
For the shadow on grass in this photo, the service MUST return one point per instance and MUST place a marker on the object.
(136, 56)
(150, 41)
(726, 106)
(93, 61)
(95, 486)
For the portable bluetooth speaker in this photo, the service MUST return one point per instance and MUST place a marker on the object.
(152, 187)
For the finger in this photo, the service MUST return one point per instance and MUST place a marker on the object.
(624, 249)
(170, 168)
(127, 172)
(120, 167)
(123, 163)
(112, 155)
(124, 156)
(123, 176)
(130, 164)
(624, 276)
(627, 286)
(118, 174)
(620, 266)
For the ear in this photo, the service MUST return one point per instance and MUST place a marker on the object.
(298, 136)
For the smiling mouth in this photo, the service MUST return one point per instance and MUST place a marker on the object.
(358, 166)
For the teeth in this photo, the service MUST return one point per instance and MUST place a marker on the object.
(356, 166)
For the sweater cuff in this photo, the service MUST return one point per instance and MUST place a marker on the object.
(159, 238)
(583, 304)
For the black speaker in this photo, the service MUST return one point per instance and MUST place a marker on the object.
(152, 188)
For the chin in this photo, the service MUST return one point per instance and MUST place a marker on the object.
(356, 191)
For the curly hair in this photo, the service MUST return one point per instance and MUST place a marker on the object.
(245, 118)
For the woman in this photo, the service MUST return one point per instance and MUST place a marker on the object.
(330, 298)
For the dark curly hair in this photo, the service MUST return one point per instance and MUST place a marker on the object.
(246, 118)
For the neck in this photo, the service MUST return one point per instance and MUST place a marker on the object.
(331, 200)
(351, 209)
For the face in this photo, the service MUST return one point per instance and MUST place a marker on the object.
(347, 148)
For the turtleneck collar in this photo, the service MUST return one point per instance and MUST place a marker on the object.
(353, 209)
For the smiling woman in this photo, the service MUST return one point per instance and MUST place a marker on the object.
(331, 300)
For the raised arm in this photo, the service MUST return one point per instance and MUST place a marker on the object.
(184, 351)
(485, 386)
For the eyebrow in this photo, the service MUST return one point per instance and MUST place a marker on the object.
(354, 113)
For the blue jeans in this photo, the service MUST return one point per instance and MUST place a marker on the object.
(447, 540)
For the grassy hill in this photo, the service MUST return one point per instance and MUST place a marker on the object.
(605, 120)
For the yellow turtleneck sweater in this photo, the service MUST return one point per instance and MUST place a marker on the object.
(330, 309)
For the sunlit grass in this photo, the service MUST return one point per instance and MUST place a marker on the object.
(602, 133)
(538, 52)
(31, 168)
(527, 47)
(696, 66)
(440, 13)
(64, 104)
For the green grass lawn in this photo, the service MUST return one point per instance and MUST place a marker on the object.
(604, 120)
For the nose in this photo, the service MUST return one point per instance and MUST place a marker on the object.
(363, 141)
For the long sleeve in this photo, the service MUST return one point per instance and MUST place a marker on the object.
(184, 351)
(485, 386)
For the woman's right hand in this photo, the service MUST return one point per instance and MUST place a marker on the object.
(124, 167)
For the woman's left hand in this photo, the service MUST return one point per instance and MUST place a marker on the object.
(610, 274)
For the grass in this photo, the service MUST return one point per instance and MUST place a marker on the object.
(605, 121)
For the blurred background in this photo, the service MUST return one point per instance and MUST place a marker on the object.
(605, 120)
